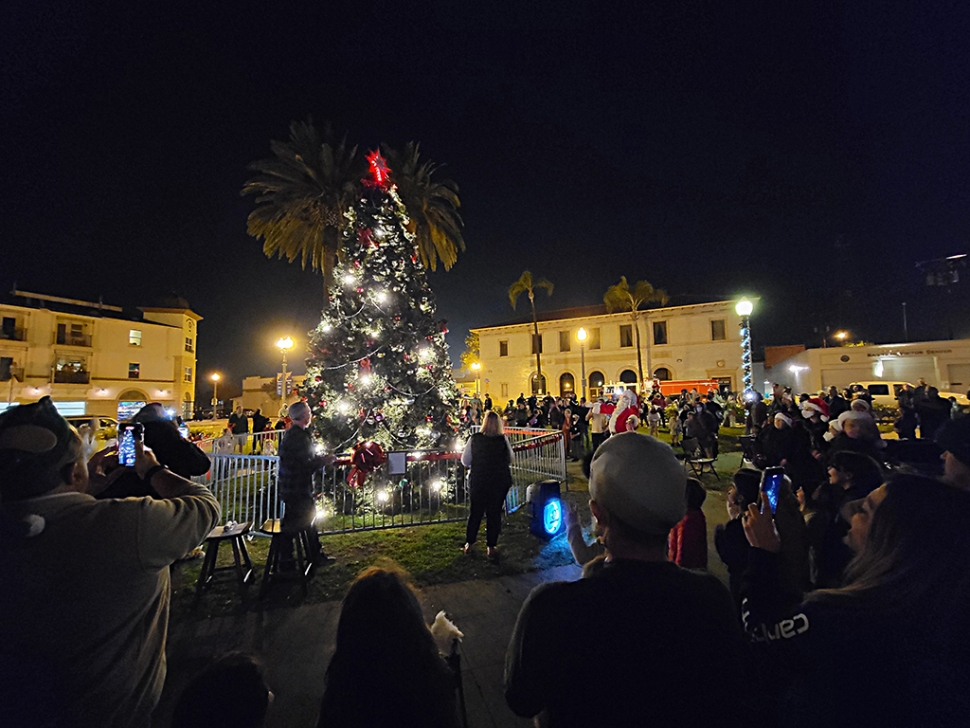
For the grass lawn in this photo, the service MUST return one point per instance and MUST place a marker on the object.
(430, 554)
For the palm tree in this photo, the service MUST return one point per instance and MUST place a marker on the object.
(526, 285)
(303, 191)
(620, 297)
(432, 206)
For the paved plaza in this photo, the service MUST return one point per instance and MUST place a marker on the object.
(296, 643)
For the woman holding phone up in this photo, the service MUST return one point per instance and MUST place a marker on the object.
(891, 646)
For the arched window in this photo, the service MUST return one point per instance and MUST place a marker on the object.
(628, 376)
(596, 379)
(538, 384)
(129, 403)
(567, 384)
(662, 373)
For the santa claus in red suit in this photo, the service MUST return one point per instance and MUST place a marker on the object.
(626, 416)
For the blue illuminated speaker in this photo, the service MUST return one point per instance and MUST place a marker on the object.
(547, 514)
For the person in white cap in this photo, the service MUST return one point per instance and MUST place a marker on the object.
(632, 643)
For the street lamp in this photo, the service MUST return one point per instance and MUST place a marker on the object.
(284, 345)
(842, 336)
(215, 377)
(477, 366)
(581, 335)
(743, 308)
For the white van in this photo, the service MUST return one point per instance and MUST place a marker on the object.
(885, 394)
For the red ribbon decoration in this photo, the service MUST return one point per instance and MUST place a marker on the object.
(365, 458)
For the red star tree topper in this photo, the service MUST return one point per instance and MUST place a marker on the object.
(379, 171)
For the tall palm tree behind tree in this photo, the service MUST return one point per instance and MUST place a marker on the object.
(621, 297)
(432, 206)
(303, 191)
(526, 285)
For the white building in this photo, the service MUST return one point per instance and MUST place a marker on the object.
(700, 341)
(943, 364)
(94, 359)
(264, 394)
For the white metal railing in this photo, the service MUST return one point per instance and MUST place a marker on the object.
(432, 489)
(257, 443)
(245, 486)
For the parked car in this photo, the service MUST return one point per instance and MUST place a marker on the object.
(886, 394)
(104, 422)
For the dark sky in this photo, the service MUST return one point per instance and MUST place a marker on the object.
(811, 156)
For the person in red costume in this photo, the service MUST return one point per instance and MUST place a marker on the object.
(688, 539)
(627, 407)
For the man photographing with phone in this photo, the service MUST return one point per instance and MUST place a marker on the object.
(85, 587)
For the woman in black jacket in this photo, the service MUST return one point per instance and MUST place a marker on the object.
(891, 647)
(489, 455)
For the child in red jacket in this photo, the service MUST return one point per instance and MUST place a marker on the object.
(688, 539)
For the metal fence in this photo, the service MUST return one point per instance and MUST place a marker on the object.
(411, 489)
(259, 443)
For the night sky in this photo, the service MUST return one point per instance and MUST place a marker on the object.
(811, 156)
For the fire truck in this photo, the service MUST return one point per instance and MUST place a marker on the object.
(666, 387)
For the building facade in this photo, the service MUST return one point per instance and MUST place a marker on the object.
(700, 341)
(264, 394)
(94, 359)
(943, 364)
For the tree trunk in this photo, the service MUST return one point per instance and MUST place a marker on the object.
(536, 342)
(636, 329)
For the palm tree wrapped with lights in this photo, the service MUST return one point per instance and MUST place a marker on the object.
(379, 367)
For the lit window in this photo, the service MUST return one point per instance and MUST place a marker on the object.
(134, 370)
(189, 344)
(564, 341)
(188, 374)
(626, 335)
(503, 348)
(659, 332)
(717, 330)
(134, 337)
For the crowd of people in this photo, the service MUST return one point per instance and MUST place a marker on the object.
(845, 604)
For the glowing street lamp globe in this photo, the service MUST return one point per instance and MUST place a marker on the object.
(744, 307)
(581, 334)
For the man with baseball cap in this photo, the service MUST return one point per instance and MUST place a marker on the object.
(954, 439)
(84, 585)
(637, 642)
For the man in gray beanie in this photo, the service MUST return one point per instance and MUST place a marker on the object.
(641, 641)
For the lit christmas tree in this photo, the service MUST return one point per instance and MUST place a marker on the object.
(379, 367)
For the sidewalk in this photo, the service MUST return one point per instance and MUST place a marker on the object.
(296, 645)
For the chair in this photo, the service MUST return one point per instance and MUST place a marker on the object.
(305, 560)
(694, 460)
(242, 564)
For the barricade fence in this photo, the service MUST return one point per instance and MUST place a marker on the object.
(258, 443)
(411, 489)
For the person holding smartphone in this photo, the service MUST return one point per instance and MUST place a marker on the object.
(889, 647)
(85, 591)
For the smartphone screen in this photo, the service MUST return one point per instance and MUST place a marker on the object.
(771, 484)
(126, 448)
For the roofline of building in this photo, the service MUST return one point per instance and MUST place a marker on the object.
(161, 309)
(647, 311)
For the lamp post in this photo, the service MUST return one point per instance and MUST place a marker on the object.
(581, 335)
(284, 345)
(215, 394)
(477, 367)
(743, 308)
